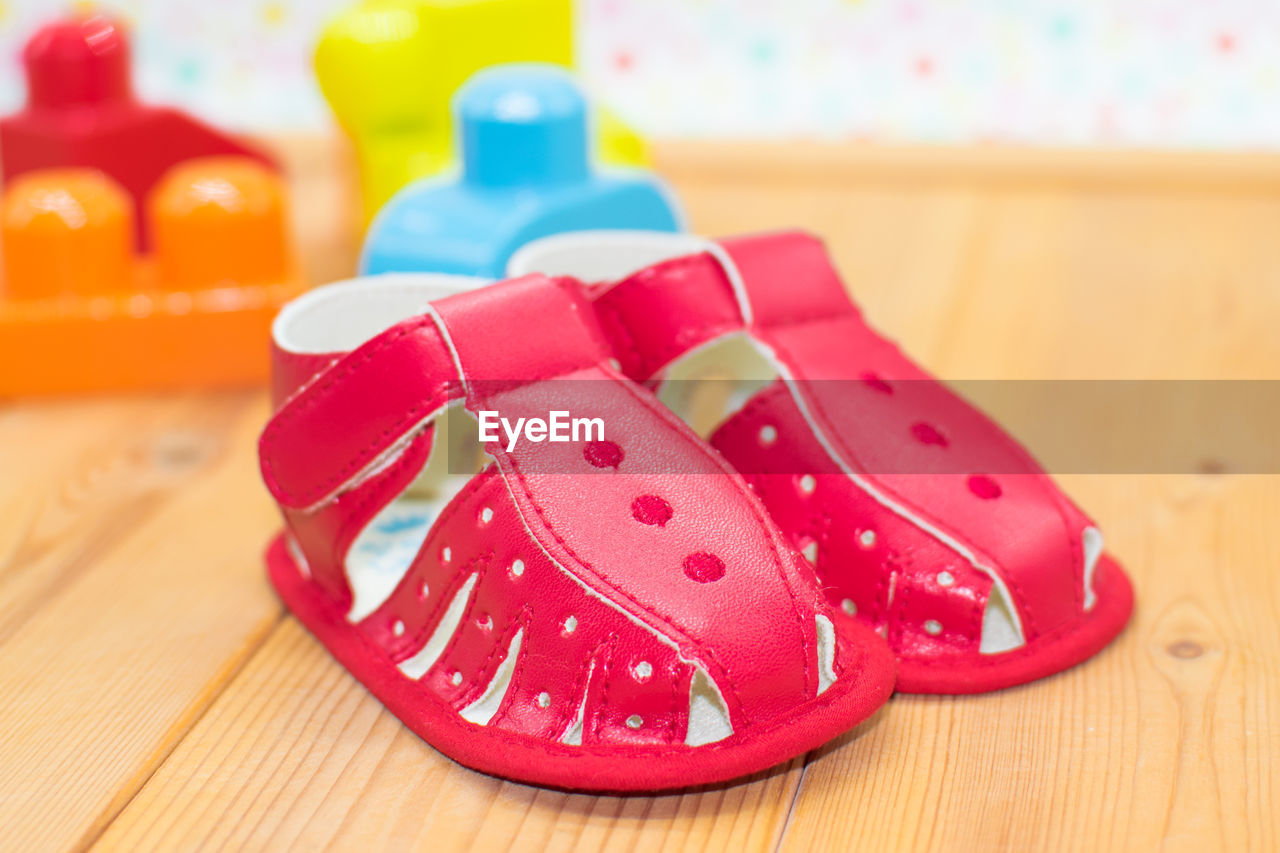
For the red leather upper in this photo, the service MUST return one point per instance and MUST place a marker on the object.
(621, 561)
(938, 489)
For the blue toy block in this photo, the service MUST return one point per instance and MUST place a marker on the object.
(525, 174)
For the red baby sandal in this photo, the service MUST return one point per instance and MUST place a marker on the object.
(923, 518)
(609, 612)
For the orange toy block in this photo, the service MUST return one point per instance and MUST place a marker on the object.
(81, 311)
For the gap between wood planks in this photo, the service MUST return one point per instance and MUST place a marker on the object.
(795, 796)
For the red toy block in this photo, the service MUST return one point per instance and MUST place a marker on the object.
(81, 112)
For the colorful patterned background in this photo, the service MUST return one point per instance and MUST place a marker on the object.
(1092, 72)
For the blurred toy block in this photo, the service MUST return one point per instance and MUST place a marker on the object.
(389, 69)
(81, 112)
(525, 174)
(82, 310)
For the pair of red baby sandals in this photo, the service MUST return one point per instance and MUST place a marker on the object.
(604, 600)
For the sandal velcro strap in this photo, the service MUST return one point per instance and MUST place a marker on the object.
(369, 400)
(364, 404)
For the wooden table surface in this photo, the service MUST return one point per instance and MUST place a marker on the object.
(153, 693)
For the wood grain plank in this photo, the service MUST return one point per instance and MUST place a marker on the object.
(1119, 285)
(98, 468)
(142, 602)
(296, 754)
(906, 167)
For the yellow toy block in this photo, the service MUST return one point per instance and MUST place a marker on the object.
(389, 69)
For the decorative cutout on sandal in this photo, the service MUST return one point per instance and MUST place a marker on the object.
(985, 487)
(928, 434)
(703, 567)
(603, 454)
(651, 509)
(573, 734)
(1091, 542)
(826, 653)
(999, 628)
(708, 716)
(483, 709)
(416, 666)
(871, 380)
(296, 552)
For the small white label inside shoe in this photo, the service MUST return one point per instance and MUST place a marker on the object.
(557, 427)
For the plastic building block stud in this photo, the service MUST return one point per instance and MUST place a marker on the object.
(81, 310)
(81, 111)
(525, 174)
(390, 67)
